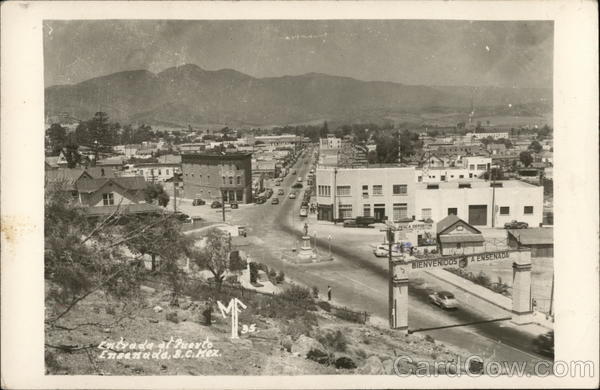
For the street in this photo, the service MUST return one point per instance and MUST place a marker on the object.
(359, 280)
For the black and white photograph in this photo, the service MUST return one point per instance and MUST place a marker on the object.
(267, 197)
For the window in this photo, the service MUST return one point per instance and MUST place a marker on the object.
(470, 175)
(230, 179)
(365, 191)
(378, 189)
(400, 211)
(481, 167)
(504, 210)
(159, 172)
(239, 180)
(432, 186)
(167, 172)
(461, 176)
(426, 213)
(366, 210)
(458, 246)
(324, 190)
(343, 190)
(345, 211)
(420, 179)
(464, 185)
(472, 167)
(528, 210)
(399, 189)
(452, 211)
(443, 178)
(108, 199)
(224, 180)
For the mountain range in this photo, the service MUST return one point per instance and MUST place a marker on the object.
(189, 95)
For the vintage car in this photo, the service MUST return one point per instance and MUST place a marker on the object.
(444, 299)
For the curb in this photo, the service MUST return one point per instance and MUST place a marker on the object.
(468, 291)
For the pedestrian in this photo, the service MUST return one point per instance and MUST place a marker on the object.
(207, 313)
(329, 293)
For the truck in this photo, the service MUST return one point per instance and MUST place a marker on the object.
(362, 222)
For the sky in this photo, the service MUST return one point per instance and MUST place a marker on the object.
(418, 52)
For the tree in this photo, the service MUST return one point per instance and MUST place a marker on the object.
(525, 158)
(372, 157)
(215, 255)
(72, 155)
(58, 137)
(496, 174)
(387, 148)
(156, 192)
(535, 147)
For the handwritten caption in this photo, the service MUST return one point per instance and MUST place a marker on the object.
(172, 349)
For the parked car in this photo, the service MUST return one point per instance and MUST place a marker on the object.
(303, 212)
(297, 185)
(198, 202)
(444, 299)
(516, 225)
(292, 195)
(294, 172)
(382, 250)
(242, 231)
(182, 217)
(299, 180)
(234, 205)
(215, 205)
(544, 344)
(260, 200)
(364, 221)
(277, 183)
(275, 201)
(280, 192)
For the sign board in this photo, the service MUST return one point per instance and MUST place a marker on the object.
(460, 261)
(416, 226)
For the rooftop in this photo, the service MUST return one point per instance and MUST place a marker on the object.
(477, 184)
(533, 236)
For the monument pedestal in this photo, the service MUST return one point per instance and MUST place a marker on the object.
(521, 310)
(306, 252)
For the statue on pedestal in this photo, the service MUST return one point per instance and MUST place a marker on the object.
(305, 229)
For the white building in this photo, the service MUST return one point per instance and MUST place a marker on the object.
(329, 143)
(383, 193)
(498, 135)
(474, 202)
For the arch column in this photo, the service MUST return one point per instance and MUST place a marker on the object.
(399, 304)
(521, 297)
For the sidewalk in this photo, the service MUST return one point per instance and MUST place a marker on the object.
(540, 324)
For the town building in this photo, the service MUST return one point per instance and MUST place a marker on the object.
(192, 147)
(216, 176)
(455, 236)
(475, 200)
(384, 192)
(158, 171)
(539, 240)
(330, 142)
(494, 135)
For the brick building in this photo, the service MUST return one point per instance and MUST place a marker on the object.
(212, 175)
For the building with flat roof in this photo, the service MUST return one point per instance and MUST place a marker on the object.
(386, 193)
(330, 142)
(539, 240)
(481, 203)
(216, 176)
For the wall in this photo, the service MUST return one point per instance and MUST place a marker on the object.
(515, 197)
(358, 177)
(203, 176)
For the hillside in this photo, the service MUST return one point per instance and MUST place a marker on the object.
(191, 95)
(291, 338)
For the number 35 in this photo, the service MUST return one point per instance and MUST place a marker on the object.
(248, 329)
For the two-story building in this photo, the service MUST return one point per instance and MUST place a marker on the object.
(216, 176)
(386, 193)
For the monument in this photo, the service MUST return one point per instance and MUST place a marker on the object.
(307, 253)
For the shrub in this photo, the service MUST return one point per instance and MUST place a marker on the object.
(253, 272)
(349, 315)
(172, 316)
(429, 338)
(280, 277)
(334, 340)
(324, 305)
(297, 294)
(315, 292)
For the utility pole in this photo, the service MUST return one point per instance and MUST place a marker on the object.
(174, 192)
(390, 238)
(334, 194)
(493, 198)
(223, 203)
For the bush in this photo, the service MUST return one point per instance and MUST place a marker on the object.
(280, 277)
(349, 315)
(272, 274)
(315, 292)
(253, 272)
(324, 305)
(334, 340)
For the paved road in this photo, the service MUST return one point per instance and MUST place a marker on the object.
(359, 280)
